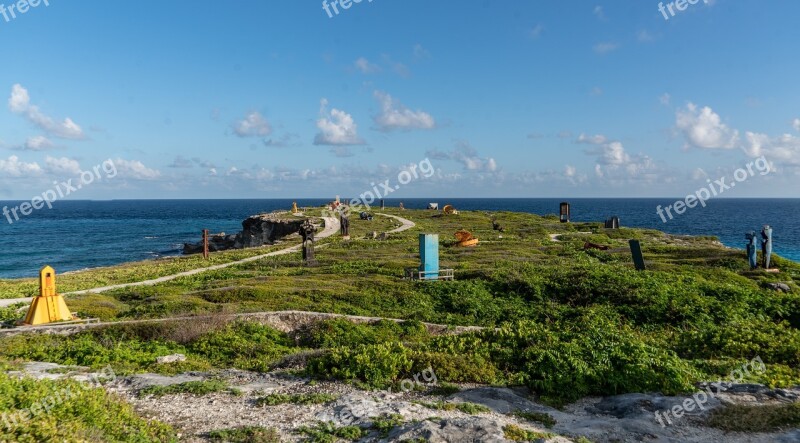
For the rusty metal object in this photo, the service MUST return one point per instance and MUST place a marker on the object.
(465, 238)
(205, 244)
(589, 245)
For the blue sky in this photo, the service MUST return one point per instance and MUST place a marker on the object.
(261, 99)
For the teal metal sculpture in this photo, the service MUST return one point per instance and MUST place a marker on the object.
(751, 249)
(429, 256)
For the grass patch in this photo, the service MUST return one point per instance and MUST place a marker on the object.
(466, 407)
(769, 418)
(444, 389)
(298, 399)
(515, 433)
(197, 388)
(247, 434)
(327, 432)
(386, 422)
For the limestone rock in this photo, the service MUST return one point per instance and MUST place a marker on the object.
(167, 359)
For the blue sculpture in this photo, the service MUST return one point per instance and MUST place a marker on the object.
(766, 245)
(429, 256)
(752, 255)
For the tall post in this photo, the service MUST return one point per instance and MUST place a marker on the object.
(205, 244)
(636, 252)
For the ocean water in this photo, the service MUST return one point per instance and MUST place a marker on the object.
(85, 234)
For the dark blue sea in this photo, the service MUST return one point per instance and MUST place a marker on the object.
(85, 234)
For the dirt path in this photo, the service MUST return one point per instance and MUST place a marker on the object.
(407, 224)
(331, 227)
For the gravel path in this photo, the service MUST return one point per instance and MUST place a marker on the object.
(331, 227)
(407, 224)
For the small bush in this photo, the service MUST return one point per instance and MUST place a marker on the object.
(198, 388)
(466, 407)
(324, 432)
(248, 434)
(515, 433)
(298, 399)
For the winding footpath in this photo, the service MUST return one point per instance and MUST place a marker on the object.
(331, 227)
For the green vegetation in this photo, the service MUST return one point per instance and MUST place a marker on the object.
(466, 407)
(769, 418)
(12, 313)
(515, 433)
(328, 432)
(248, 434)
(134, 348)
(563, 321)
(445, 389)
(298, 399)
(386, 422)
(198, 388)
(538, 417)
(68, 411)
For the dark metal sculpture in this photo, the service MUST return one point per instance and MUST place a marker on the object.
(766, 245)
(752, 255)
(307, 231)
(345, 223)
(612, 223)
(564, 212)
(365, 216)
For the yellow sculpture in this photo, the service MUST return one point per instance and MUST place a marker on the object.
(450, 210)
(49, 306)
(294, 208)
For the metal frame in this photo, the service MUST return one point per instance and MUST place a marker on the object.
(443, 274)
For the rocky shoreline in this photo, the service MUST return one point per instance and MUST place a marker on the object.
(257, 230)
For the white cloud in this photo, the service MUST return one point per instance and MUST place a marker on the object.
(784, 148)
(15, 168)
(62, 166)
(336, 127)
(596, 91)
(644, 36)
(665, 99)
(181, 162)
(703, 128)
(536, 31)
(599, 13)
(38, 143)
(20, 103)
(366, 67)
(614, 164)
(135, 169)
(253, 125)
(605, 48)
(592, 139)
(468, 156)
(421, 53)
(396, 116)
(796, 124)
